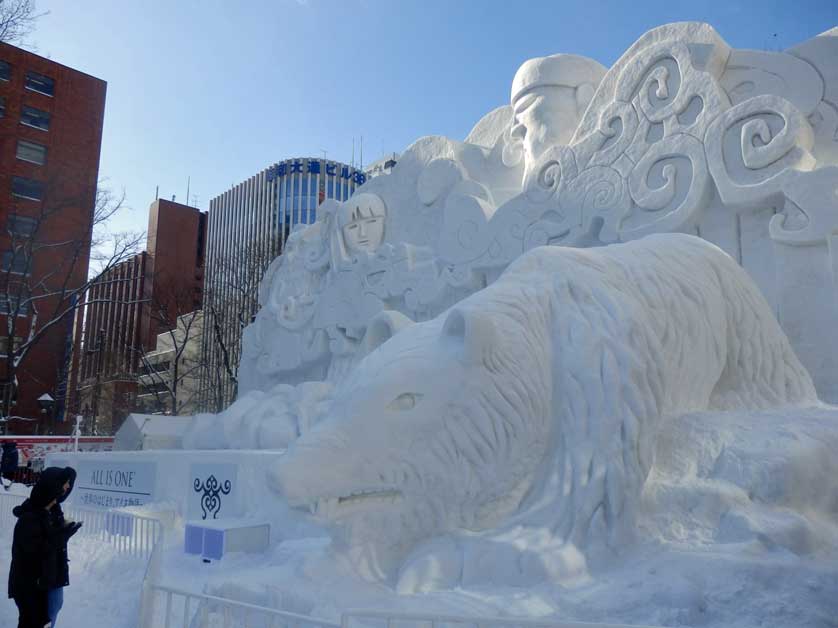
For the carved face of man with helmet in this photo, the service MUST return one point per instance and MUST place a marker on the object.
(549, 96)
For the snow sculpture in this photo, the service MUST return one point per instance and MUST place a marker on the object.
(539, 398)
(681, 134)
(444, 262)
(549, 97)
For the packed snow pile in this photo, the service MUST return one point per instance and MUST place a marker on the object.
(104, 586)
(504, 383)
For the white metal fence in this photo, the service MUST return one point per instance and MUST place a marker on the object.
(382, 619)
(129, 534)
(174, 608)
(7, 503)
(166, 607)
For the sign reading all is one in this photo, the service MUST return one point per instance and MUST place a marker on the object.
(104, 483)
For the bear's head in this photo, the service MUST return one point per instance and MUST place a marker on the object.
(441, 427)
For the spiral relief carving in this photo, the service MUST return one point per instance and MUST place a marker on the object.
(634, 180)
(754, 147)
(617, 126)
(555, 166)
(686, 183)
(598, 192)
(652, 156)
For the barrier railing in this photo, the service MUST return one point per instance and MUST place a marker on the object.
(174, 608)
(129, 534)
(383, 619)
(7, 503)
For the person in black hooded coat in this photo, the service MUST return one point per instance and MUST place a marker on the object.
(55, 596)
(39, 548)
(9, 460)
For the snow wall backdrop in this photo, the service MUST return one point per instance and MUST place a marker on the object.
(511, 358)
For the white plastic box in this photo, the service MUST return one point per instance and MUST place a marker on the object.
(212, 539)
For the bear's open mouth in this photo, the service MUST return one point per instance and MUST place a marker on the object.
(333, 506)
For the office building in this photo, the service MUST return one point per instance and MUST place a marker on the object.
(50, 138)
(170, 375)
(131, 306)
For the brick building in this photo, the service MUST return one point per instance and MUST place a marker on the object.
(51, 120)
(128, 307)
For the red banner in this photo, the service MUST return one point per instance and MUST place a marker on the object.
(32, 448)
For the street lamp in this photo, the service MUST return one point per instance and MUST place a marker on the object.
(46, 403)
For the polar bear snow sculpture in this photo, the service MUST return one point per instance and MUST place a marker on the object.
(538, 399)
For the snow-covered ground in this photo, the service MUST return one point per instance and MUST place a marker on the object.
(653, 584)
(104, 589)
(725, 541)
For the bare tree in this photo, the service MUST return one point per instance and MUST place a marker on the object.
(17, 19)
(51, 254)
(231, 300)
(174, 308)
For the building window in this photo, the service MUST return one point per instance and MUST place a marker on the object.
(5, 71)
(40, 83)
(31, 152)
(160, 367)
(21, 226)
(10, 304)
(27, 188)
(153, 388)
(34, 118)
(15, 262)
(280, 207)
(2, 106)
(4, 344)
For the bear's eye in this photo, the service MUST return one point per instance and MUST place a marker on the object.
(405, 401)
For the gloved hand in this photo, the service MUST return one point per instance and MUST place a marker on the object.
(71, 528)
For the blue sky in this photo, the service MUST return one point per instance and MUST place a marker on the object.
(217, 90)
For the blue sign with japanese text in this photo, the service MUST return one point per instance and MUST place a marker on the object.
(313, 167)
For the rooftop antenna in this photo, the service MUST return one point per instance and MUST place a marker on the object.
(187, 188)
(352, 163)
(324, 154)
(362, 153)
(156, 192)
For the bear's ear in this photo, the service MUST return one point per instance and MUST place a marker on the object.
(474, 332)
(381, 328)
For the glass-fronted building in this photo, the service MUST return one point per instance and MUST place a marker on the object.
(300, 185)
(247, 227)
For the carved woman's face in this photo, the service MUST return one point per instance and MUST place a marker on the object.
(364, 233)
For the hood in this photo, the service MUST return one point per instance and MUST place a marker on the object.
(50, 486)
(42, 494)
(8, 444)
(68, 475)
